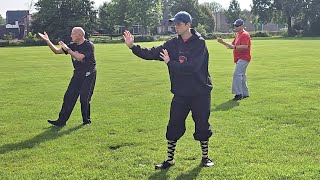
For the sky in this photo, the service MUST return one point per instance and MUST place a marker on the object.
(23, 4)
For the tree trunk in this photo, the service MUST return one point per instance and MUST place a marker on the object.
(165, 13)
(290, 31)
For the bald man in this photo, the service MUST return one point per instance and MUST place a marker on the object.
(83, 80)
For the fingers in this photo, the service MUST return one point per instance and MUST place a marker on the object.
(164, 54)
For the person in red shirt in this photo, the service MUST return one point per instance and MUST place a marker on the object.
(241, 46)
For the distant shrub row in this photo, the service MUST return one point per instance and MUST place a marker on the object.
(31, 40)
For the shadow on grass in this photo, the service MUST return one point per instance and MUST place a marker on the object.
(226, 106)
(191, 174)
(161, 174)
(49, 134)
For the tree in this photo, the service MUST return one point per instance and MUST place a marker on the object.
(106, 25)
(287, 9)
(206, 18)
(233, 12)
(213, 6)
(191, 6)
(2, 20)
(58, 17)
(262, 9)
(165, 15)
(146, 13)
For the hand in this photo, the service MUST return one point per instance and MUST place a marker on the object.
(165, 56)
(128, 38)
(220, 40)
(44, 36)
(64, 46)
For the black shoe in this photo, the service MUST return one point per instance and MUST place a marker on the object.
(57, 123)
(237, 97)
(86, 123)
(245, 97)
(206, 162)
(164, 165)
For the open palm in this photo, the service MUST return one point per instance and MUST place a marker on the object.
(44, 36)
(128, 38)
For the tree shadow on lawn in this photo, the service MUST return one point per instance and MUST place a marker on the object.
(226, 106)
(49, 134)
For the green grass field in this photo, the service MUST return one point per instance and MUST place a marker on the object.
(274, 134)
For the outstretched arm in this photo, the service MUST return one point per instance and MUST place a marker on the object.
(53, 48)
(144, 53)
(231, 46)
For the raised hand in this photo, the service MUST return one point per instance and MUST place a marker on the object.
(220, 40)
(165, 56)
(128, 38)
(64, 46)
(44, 36)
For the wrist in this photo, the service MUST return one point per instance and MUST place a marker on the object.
(68, 50)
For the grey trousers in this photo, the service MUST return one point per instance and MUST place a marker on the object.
(239, 82)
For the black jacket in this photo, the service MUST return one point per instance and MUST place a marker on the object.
(188, 65)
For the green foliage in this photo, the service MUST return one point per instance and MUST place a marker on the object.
(206, 18)
(213, 6)
(139, 38)
(2, 20)
(146, 13)
(259, 34)
(105, 22)
(191, 6)
(201, 29)
(60, 16)
(233, 12)
(8, 36)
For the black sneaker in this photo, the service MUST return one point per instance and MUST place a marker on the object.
(57, 123)
(86, 123)
(206, 162)
(245, 97)
(237, 97)
(164, 165)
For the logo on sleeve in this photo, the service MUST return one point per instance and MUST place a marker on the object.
(182, 59)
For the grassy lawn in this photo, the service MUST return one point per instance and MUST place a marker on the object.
(274, 134)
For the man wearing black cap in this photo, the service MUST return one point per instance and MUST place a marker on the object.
(241, 46)
(83, 80)
(187, 59)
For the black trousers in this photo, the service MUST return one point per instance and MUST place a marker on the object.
(80, 84)
(180, 108)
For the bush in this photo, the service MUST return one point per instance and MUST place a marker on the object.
(260, 34)
(221, 35)
(4, 43)
(201, 29)
(8, 36)
(141, 38)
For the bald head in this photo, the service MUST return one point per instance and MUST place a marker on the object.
(78, 34)
(79, 30)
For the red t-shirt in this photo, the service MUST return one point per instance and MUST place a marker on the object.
(242, 38)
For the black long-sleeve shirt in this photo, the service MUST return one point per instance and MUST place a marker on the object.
(188, 65)
(89, 62)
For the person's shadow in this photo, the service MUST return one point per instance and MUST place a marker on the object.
(162, 174)
(226, 106)
(49, 134)
(191, 174)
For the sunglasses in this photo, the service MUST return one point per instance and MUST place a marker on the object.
(237, 25)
